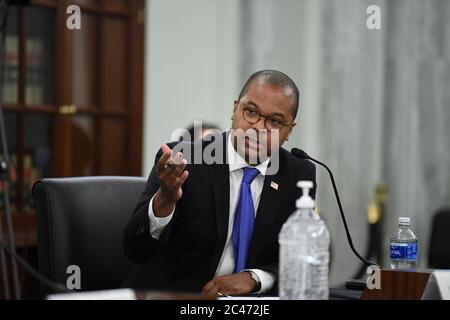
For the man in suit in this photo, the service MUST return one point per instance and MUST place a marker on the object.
(213, 227)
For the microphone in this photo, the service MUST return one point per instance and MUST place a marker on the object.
(296, 152)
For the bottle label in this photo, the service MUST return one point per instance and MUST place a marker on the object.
(404, 251)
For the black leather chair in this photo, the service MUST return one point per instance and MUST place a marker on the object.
(80, 222)
(439, 249)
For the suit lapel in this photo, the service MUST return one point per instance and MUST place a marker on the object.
(267, 211)
(220, 182)
(221, 190)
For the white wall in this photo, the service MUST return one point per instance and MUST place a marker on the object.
(297, 52)
(192, 67)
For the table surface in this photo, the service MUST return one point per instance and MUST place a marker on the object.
(340, 293)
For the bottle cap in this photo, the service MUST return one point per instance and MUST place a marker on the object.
(305, 201)
(405, 221)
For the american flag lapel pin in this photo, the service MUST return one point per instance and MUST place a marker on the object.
(274, 185)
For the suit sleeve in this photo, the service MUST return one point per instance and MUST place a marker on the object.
(272, 268)
(139, 246)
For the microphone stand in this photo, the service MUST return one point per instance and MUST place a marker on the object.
(301, 154)
(4, 176)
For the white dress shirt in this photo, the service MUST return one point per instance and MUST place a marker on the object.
(227, 263)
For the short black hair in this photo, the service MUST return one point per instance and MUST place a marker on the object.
(277, 79)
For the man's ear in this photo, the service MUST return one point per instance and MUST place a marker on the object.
(234, 109)
(290, 131)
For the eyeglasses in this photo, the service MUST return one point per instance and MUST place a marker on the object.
(253, 116)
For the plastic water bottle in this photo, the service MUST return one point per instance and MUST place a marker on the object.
(403, 248)
(304, 252)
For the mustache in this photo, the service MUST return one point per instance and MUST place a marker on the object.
(253, 135)
(263, 138)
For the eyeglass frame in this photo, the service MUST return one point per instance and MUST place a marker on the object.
(244, 107)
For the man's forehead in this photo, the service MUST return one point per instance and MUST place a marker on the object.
(266, 93)
(287, 90)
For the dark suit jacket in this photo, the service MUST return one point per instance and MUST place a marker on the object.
(189, 249)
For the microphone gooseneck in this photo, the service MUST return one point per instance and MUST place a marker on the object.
(296, 152)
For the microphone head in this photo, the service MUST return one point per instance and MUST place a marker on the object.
(299, 153)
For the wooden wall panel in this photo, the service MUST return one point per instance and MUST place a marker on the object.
(83, 145)
(112, 146)
(114, 64)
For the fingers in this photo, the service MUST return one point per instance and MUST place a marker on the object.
(178, 169)
(224, 289)
(181, 179)
(212, 290)
(165, 148)
(171, 173)
(216, 287)
(168, 163)
(235, 284)
(164, 158)
(208, 286)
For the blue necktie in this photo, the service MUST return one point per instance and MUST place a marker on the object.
(244, 219)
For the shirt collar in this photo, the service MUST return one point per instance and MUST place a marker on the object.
(235, 161)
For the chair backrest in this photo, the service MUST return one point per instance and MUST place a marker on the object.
(80, 222)
(439, 249)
